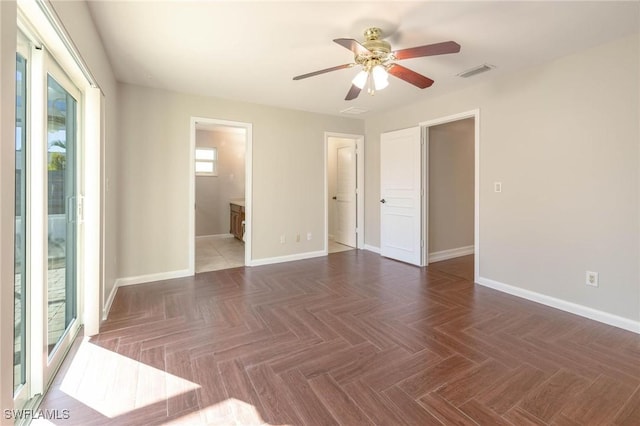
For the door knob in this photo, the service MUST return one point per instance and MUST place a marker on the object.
(383, 201)
(334, 197)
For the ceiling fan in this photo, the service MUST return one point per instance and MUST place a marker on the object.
(378, 61)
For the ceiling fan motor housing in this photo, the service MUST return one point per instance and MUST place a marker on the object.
(380, 50)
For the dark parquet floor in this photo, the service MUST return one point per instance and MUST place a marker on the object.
(350, 339)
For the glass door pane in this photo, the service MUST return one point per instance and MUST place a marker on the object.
(61, 202)
(20, 285)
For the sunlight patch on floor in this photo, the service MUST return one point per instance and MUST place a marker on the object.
(231, 411)
(102, 380)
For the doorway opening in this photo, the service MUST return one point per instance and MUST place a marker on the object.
(221, 195)
(344, 192)
(451, 182)
(405, 198)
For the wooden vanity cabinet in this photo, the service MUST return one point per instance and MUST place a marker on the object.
(236, 219)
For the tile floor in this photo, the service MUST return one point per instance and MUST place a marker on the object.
(214, 253)
(349, 338)
(337, 247)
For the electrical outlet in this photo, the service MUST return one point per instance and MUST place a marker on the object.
(298, 237)
(283, 239)
(309, 235)
(497, 186)
(592, 279)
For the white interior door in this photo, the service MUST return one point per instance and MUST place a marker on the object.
(346, 193)
(400, 190)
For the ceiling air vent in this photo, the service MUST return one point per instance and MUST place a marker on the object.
(354, 111)
(476, 70)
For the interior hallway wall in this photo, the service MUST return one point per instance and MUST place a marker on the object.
(451, 185)
(213, 193)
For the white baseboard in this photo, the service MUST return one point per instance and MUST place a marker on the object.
(214, 237)
(372, 248)
(288, 258)
(437, 256)
(109, 301)
(563, 305)
(141, 279)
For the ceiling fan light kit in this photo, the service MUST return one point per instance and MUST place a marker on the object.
(380, 77)
(360, 80)
(377, 61)
(377, 77)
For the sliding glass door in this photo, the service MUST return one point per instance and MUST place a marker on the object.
(20, 239)
(46, 240)
(61, 212)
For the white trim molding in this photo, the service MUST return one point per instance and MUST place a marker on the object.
(109, 302)
(563, 305)
(161, 276)
(371, 248)
(196, 122)
(437, 256)
(288, 258)
(214, 237)
(475, 114)
(360, 219)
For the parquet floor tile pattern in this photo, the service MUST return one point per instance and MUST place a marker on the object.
(347, 339)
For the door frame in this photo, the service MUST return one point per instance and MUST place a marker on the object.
(359, 139)
(424, 126)
(248, 173)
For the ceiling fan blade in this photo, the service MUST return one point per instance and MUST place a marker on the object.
(409, 76)
(311, 74)
(353, 93)
(428, 50)
(352, 45)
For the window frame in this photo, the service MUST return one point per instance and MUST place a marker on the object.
(213, 162)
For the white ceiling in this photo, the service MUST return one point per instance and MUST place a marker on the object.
(249, 51)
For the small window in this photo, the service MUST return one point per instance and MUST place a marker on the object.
(206, 162)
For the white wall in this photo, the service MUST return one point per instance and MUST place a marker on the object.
(563, 139)
(213, 193)
(288, 176)
(451, 185)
